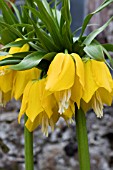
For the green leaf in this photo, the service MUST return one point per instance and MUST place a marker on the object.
(50, 23)
(8, 15)
(108, 47)
(18, 43)
(89, 16)
(65, 25)
(95, 52)
(7, 36)
(12, 29)
(109, 57)
(10, 61)
(18, 15)
(45, 40)
(49, 56)
(47, 7)
(93, 34)
(22, 54)
(30, 61)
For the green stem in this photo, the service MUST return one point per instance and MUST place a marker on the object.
(28, 136)
(82, 139)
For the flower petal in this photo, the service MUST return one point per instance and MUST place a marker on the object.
(101, 75)
(60, 75)
(90, 84)
(25, 100)
(24, 77)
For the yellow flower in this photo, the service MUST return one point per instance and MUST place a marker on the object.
(39, 105)
(6, 83)
(98, 87)
(65, 77)
(14, 82)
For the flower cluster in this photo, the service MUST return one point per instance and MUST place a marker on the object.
(69, 80)
(12, 83)
(49, 69)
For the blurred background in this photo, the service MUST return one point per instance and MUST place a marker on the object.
(59, 150)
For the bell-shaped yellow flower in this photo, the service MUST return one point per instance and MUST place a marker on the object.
(41, 107)
(65, 77)
(14, 82)
(6, 83)
(38, 104)
(98, 87)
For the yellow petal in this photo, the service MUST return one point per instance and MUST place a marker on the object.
(106, 97)
(34, 101)
(101, 75)
(90, 84)
(31, 126)
(6, 81)
(79, 68)
(6, 97)
(85, 106)
(60, 75)
(77, 88)
(77, 91)
(24, 48)
(24, 77)
(14, 50)
(24, 104)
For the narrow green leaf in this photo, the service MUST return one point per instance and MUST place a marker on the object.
(89, 16)
(65, 25)
(30, 61)
(109, 57)
(10, 61)
(21, 54)
(12, 29)
(45, 39)
(18, 15)
(8, 15)
(49, 56)
(108, 47)
(93, 34)
(7, 36)
(47, 7)
(18, 43)
(50, 23)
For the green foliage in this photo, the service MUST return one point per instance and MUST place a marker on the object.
(46, 28)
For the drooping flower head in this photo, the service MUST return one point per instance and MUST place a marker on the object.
(65, 77)
(98, 87)
(12, 83)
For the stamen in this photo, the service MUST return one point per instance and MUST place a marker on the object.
(52, 124)
(97, 105)
(64, 101)
(45, 124)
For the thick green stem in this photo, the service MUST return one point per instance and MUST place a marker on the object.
(28, 136)
(82, 139)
